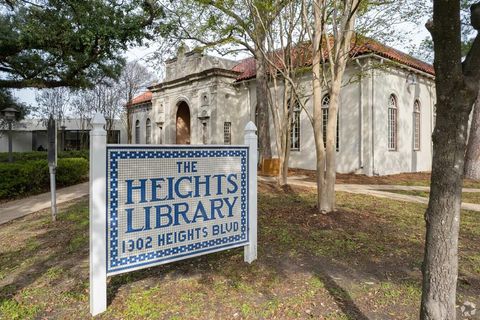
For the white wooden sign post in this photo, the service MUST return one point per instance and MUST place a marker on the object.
(155, 204)
(98, 216)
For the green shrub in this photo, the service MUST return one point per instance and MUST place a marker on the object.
(71, 171)
(43, 155)
(24, 156)
(31, 177)
(23, 178)
(74, 154)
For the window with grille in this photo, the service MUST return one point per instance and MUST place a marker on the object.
(295, 129)
(392, 123)
(227, 133)
(325, 106)
(148, 132)
(416, 125)
(137, 132)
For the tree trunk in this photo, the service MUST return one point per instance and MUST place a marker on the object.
(456, 89)
(328, 201)
(440, 265)
(263, 122)
(317, 102)
(472, 157)
(284, 157)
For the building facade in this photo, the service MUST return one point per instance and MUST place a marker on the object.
(385, 121)
(31, 135)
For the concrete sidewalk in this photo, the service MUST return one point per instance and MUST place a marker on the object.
(376, 191)
(18, 208)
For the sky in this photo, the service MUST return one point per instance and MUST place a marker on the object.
(419, 33)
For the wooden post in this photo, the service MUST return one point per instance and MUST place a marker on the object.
(98, 216)
(250, 253)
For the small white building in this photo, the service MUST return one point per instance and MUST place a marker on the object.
(31, 135)
(386, 117)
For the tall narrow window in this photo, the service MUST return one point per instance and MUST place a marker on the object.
(137, 131)
(227, 133)
(392, 123)
(295, 129)
(416, 125)
(148, 132)
(325, 109)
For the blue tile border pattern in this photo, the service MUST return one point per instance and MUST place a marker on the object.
(114, 153)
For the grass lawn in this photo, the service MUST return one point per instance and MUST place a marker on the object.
(468, 197)
(404, 179)
(361, 262)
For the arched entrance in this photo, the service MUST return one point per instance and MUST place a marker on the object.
(183, 124)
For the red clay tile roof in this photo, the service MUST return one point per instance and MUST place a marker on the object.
(359, 47)
(247, 69)
(372, 46)
(141, 98)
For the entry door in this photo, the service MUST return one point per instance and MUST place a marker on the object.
(183, 124)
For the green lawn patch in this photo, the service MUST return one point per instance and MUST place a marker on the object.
(362, 261)
(468, 197)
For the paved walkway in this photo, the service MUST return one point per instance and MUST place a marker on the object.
(22, 207)
(377, 190)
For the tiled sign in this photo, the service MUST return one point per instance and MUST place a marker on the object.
(154, 204)
(166, 203)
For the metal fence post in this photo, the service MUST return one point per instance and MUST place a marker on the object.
(98, 215)
(250, 252)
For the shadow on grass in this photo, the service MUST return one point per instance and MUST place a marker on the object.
(341, 296)
(291, 235)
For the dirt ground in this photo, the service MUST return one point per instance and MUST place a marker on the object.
(361, 262)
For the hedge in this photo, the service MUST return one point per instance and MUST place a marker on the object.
(25, 178)
(42, 155)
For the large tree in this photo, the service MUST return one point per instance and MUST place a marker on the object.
(232, 26)
(331, 30)
(457, 85)
(472, 155)
(134, 78)
(285, 55)
(53, 102)
(425, 51)
(53, 43)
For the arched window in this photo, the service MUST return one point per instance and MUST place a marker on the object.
(325, 106)
(137, 131)
(148, 132)
(392, 123)
(416, 125)
(295, 127)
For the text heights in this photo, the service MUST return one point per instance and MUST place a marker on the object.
(171, 201)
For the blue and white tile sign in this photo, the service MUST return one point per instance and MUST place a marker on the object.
(154, 204)
(167, 203)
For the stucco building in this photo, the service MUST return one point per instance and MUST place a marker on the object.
(386, 116)
(31, 135)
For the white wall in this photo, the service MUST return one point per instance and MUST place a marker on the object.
(362, 117)
(212, 96)
(405, 158)
(141, 115)
(21, 141)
